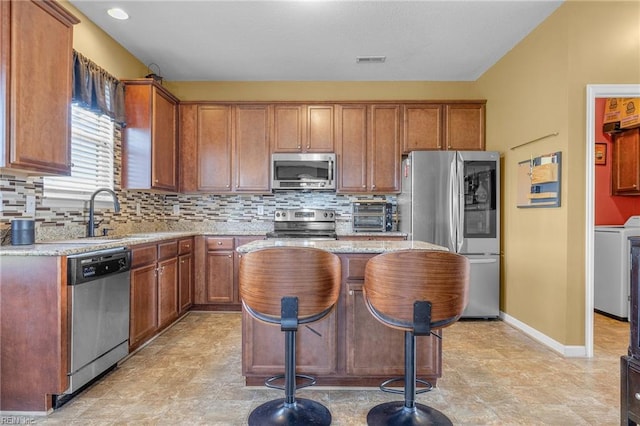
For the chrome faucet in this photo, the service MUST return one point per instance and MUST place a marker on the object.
(116, 208)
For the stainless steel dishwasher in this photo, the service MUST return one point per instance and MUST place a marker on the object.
(99, 297)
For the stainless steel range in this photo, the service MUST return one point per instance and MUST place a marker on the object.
(304, 223)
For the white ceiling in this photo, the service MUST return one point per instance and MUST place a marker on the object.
(319, 40)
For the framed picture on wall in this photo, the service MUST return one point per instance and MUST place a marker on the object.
(601, 153)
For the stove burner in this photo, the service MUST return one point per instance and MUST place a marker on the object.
(304, 223)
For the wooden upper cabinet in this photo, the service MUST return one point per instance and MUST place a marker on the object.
(422, 127)
(36, 40)
(625, 171)
(464, 127)
(368, 148)
(384, 148)
(351, 148)
(251, 148)
(224, 148)
(303, 128)
(149, 147)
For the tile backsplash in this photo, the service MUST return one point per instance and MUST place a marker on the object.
(149, 212)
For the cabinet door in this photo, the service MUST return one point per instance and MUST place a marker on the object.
(144, 304)
(626, 162)
(316, 347)
(219, 277)
(320, 135)
(164, 149)
(288, 128)
(384, 148)
(351, 147)
(464, 127)
(167, 291)
(214, 148)
(422, 128)
(374, 349)
(37, 100)
(185, 282)
(251, 148)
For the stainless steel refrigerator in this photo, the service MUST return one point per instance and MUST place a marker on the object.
(452, 198)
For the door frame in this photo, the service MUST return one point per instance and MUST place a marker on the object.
(595, 91)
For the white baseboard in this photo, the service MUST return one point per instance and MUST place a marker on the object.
(564, 350)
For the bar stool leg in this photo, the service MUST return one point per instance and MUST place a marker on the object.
(407, 412)
(290, 411)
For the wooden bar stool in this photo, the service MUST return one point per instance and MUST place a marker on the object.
(289, 286)
(416, 291)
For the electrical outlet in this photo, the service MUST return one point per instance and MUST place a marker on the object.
(260, 209)
(176, 209)
(137, 209)
(30, 205)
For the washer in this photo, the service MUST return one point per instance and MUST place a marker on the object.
(611, 281)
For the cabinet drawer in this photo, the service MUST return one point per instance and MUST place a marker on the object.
(185, 246)
(633, 395)
(167, 249)
(354, 266)
(224, 243)
(143, 255)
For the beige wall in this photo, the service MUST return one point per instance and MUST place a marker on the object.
(98, 46)
(540, 88)
(320, 91)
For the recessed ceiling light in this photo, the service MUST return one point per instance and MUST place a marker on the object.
(370, 59)
(118, 13)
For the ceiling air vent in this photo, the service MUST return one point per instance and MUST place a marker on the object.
(370, 59)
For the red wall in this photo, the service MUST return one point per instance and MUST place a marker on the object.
(609, 209)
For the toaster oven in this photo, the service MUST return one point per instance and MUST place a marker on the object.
(372, 216)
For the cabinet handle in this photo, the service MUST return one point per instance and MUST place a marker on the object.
(637, 396)
(299, 146)
(364, 186)
(373, 186)
(182, 261)
(308, 146)
(219, 243)
(229, 256)
(350, 292)
(156, 180)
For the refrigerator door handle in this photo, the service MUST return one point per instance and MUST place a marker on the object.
(458, 195)
(453, 206)
(483, 260)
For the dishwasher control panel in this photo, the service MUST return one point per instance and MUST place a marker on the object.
(94, 265)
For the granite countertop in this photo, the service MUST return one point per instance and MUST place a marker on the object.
(82, 245)
(338, 246)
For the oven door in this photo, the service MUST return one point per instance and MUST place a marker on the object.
(303, 171)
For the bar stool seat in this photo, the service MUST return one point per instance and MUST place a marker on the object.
(416, 291)
(289, 286)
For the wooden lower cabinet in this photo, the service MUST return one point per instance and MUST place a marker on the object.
(348, 348)
(154, 290)
(185, 275)
(216, 272)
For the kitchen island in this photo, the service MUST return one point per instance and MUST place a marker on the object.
(348, 347)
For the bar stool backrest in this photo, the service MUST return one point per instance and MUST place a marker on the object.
(395, 280)
(267, 275)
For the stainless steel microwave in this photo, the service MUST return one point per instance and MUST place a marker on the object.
(303, 171)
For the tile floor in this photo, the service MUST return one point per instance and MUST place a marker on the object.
(492, 375)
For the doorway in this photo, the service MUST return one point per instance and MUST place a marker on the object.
(595, 91)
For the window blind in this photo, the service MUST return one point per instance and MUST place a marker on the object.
(92, 140)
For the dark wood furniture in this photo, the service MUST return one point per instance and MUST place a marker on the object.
(347, 348)
(154, 290)
(150, 142)
(34, 331)
(216, 272)
(630, 363)
(625, 172)
(35, 86)
(225, 148)
(417, 292)
(289, 287)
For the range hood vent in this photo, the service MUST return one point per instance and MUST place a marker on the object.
(370, 59)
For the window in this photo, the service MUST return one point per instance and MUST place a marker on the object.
(92, 141)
